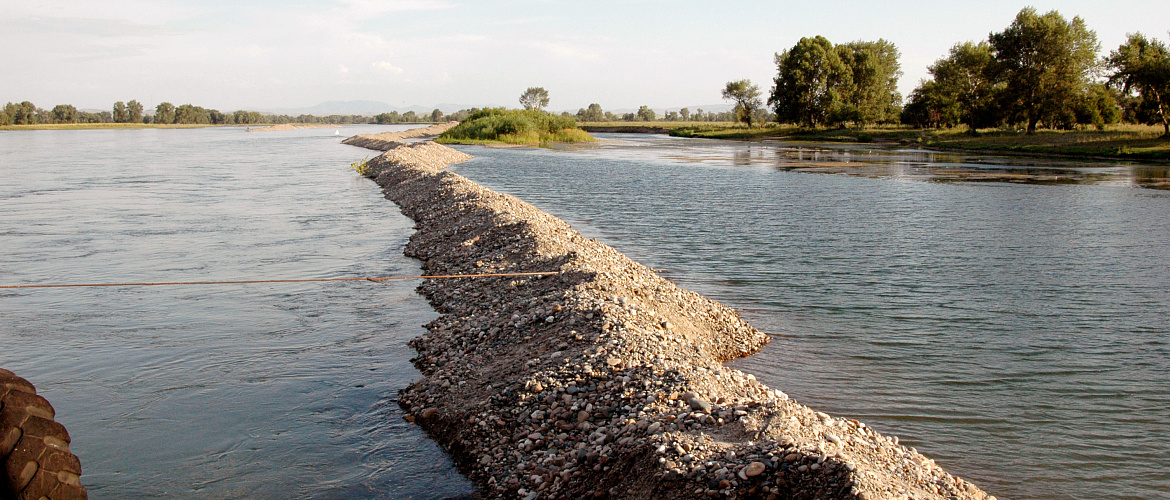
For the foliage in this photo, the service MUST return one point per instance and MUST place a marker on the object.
(809, 82)
(1045, 63)
(872, 96)
(23, 113)
(535, 98)
(164, 113)
(64, 113)
(591, 114)
(963, 90)
(645, 114)
(362, 167)
(1143, 65)
(133, 111)
(121, 115)
(746, 97)
(514, 126)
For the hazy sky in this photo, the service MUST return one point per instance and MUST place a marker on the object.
(296, 53)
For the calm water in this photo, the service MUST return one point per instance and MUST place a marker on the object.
(257, 391)
(1019, 334)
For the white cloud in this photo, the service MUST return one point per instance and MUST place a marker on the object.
(343, 69)
(386, 66)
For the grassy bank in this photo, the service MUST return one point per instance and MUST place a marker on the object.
(499, 126)
(1139, 142)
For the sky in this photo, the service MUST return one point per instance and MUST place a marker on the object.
(280, 54)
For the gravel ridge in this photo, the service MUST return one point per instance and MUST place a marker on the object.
(606, 380)
(389, 140)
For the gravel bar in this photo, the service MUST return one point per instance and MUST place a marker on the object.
(606, 380)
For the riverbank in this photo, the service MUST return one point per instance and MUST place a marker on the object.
(605, 380)
(385, 141)
(106, 126)
(1127, 142)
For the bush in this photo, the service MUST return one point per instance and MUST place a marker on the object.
(515, 126)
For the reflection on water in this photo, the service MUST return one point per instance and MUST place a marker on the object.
(876, 160)
(252, 391)
(1015, 332)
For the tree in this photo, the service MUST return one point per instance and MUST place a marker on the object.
(191, 114)
(64, 113)
(1045, 62)
(809, 82)
(591, 114)
(436, 115)
(645, 114)
(1143, 65)
(410, 117)
(685, 113)
(966, 85)
(872, 95)
(164, 113)
(534, 98)
(133, 111)
(120, 114)
(746, 97)
(24, 113)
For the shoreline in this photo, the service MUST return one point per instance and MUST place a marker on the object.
(605, 380)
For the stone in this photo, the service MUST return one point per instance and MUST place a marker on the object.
(754, 469)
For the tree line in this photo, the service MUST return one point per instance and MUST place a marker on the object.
(1041, 71)
(594, 113)
(165, 113)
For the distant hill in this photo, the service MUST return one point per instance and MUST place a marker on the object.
(366, 108)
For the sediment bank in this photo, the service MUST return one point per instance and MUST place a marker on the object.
(34, 449)
(606, 380)
(389, 140)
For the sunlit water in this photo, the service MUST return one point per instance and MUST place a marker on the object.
(242, 391)
(1018, 334)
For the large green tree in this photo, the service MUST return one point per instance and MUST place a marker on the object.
(872, 93)
(1143, 65)
(120, 113)
(191, 114)
(591, 114)
(746, 97)
(164, 113)
(64, 113)
(646, 114)
(134, 111)
(809, 83)
(965, 83)
(534, 98)
(1046, 63)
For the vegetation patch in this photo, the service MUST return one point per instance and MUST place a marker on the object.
(527, 127)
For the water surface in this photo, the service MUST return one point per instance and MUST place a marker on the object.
(249, 391)
(1017, 333)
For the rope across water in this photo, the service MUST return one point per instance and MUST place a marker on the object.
(305, 280)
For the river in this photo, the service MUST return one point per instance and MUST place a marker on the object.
(1017, 332)
(241, 391)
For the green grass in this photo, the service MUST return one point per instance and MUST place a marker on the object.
(515, 127)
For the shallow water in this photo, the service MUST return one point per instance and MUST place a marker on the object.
(1017, 333)
(257, 391)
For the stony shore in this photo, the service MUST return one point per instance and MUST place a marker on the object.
(606, 380)
(386, 141)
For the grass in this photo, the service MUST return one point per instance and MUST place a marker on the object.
(1126, 141)
(514, 127)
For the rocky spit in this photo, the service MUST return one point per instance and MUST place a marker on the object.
(606, 380)
(386, 141)
(34, 449)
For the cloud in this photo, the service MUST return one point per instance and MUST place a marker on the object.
(343, 69)
(368, 8)
(564, 51)
(386, 66)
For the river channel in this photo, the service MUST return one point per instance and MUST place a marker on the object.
(241, 391)
(1016, 329)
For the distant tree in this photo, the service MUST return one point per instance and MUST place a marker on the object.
(164, 113)
(64, 113)
(930, 105)
(591, 114)
(24, 113)
(534, 98)
(809, 83)
(133, 111)
(872, 93)
(699, 116)
(685, 113)
(410, 117)
(120, 114)
(1143, 65)
(1045, 62)
(241, 117)
(191, 114)
(746, 97)
(670, 116)
(646, 114)
(629, 117)
(436, 115)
